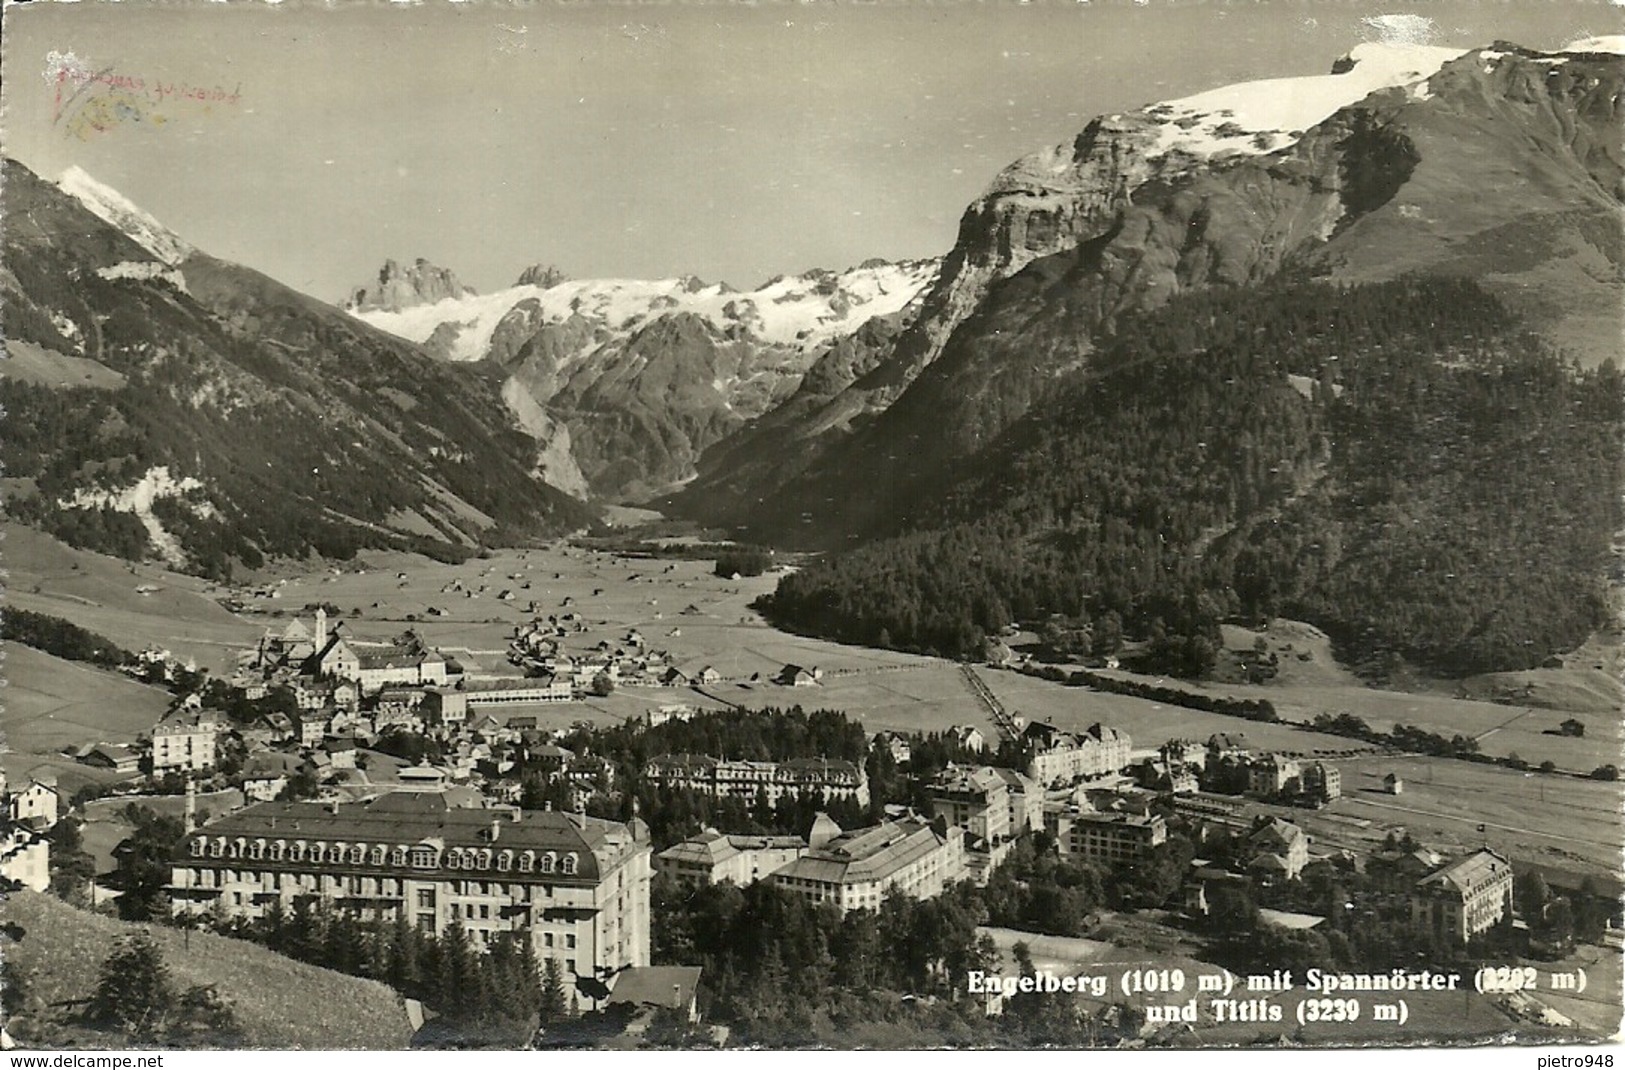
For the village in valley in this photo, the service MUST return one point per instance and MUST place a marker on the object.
(559, 770)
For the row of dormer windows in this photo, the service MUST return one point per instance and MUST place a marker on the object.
(420, 856)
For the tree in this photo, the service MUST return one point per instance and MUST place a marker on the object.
(134, 994)
(144, 864)
(72, 867)
(553, 1007)
(15, 988)
(1231, 910)
(1531, 895)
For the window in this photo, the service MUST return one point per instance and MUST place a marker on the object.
(317, 851)
(527, 861)
(423, 857)
(426, 897)
(197, 847)
(569, 941)
(547, 939)
(485, 912)
(398, 856)
(256, 849)
(505, 861)
(278, 849)
(547, 862)
(426, 922)
(378, 856)
(358, 854)
(296, 853)
(570, 863)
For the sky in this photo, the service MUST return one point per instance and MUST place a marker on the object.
(730, 141)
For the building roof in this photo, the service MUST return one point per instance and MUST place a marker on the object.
(969, 779)
(656, 986)
(1117, 817)
(708, 848)
(869, 854)
(270, 763)
(1469, 874)
(689, 764)
(1275, 832)
(823, 769)
(1017, 781)
(411, 819)
(389, 658)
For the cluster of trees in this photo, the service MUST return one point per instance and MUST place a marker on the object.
(743, 561)
(62, 638)
(1253, 709)
(784, 972)
(1557, 919)
(675, 814)
(1037, 890)
(1394, 462)
(770, 734)
(929, 754)
(498, 994)
(241, 710)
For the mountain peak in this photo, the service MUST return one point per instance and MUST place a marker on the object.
(119, 212)
(397, 287)
(541, 276)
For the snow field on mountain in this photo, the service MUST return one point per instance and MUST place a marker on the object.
(1242, 117)
(796, 311)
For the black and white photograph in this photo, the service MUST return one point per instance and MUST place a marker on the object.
(592, 527)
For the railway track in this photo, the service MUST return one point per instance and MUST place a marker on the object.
(1002, 718)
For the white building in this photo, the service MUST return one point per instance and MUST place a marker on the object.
(186, 742)
(576, 887)
(857, 870)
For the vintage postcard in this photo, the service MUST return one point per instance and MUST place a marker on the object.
(811, 525)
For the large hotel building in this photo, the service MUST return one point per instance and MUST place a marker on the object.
(579, 886)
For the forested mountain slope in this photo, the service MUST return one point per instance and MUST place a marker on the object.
(1402, 464)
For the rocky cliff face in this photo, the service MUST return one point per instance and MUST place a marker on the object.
(1502, 164)
(397, 287)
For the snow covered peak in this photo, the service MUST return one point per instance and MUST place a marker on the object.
(113, 208)
(802, 311)
(1614, 43)
(1264, 116)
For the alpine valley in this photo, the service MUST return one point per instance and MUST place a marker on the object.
(1337, 347)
